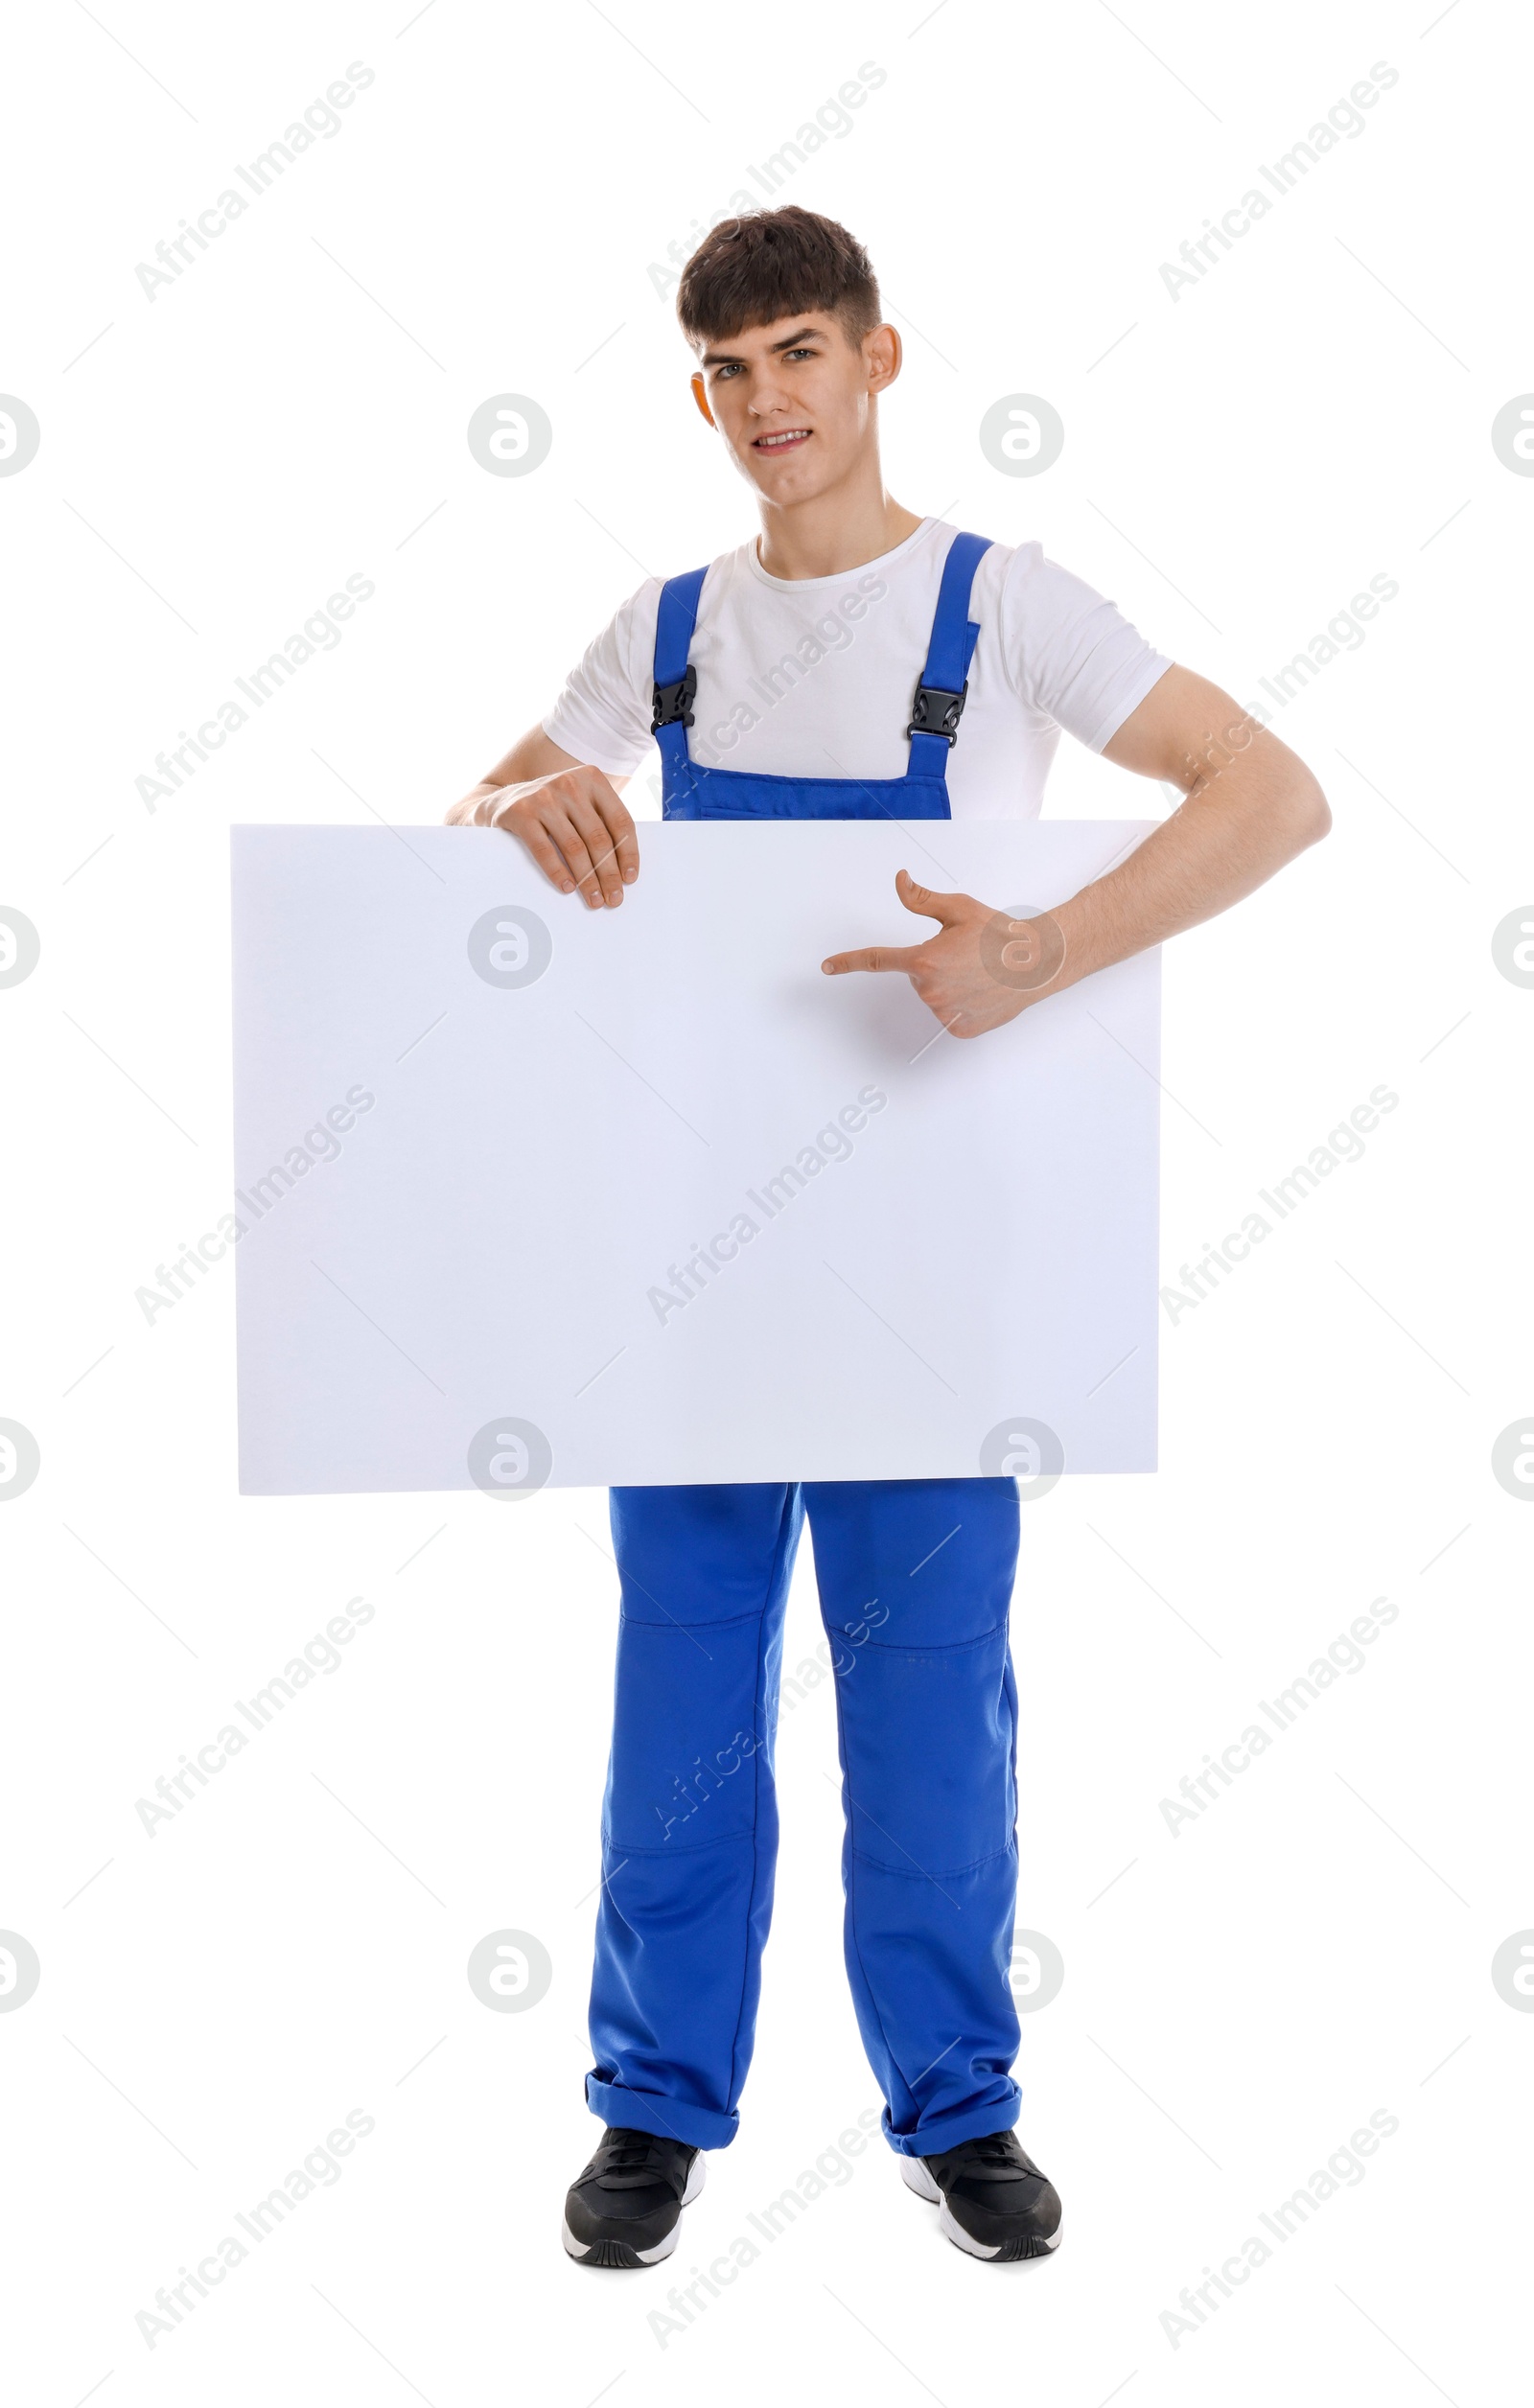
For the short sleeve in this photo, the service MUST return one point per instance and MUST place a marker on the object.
(1071, 652)
(603, 714)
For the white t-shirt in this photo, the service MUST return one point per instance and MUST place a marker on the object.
(813, 677)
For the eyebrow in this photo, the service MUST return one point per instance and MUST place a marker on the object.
(789, 342)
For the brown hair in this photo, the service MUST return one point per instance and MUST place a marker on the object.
(775, 263)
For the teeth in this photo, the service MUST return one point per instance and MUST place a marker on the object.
(767, 442)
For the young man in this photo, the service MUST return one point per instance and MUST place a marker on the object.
(855, 660)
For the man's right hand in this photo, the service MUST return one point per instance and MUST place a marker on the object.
(570, 815)
(577, 830)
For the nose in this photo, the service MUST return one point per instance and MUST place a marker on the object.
(768, 397)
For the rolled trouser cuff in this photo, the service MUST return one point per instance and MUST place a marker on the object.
(996, 2113)
(669, 2118)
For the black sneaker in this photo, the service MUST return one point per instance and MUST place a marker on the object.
(996, 2202)
(624, 2208)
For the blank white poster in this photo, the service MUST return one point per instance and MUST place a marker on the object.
(534, 1195)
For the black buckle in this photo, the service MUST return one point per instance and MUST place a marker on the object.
(936, 713)
(673, 703)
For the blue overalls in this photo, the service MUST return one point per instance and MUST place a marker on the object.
(915, 1581)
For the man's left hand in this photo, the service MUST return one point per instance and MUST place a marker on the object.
(979, 971)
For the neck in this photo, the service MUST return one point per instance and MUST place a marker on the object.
(850, 523)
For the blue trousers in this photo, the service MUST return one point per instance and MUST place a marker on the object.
(916, 1581)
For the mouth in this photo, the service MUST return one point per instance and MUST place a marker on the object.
(788, 440)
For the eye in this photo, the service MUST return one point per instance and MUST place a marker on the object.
(802, 353)
(727, 369)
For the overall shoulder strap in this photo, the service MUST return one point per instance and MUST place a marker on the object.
(939, 696)
(675, 680)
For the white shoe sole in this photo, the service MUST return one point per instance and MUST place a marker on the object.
(915, 2177)
(583, 2250)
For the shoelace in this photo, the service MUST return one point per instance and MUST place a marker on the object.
(995, 2148)
(627, 2156)
(988, 2159)
(628, 2161)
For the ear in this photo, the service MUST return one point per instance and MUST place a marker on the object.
(702, 397)
(883, 354)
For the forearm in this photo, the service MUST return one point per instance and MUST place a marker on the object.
(532, 758)
(478, 806)
(1249, 805)
(1236, 826)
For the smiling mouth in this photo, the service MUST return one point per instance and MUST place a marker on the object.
(783, 442)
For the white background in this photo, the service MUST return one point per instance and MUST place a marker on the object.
(1238, 463)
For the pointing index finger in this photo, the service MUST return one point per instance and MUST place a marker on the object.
(873, 957)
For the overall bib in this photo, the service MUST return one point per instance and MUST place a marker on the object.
(915, 1581)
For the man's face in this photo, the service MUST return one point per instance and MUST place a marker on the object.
(794, 401)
